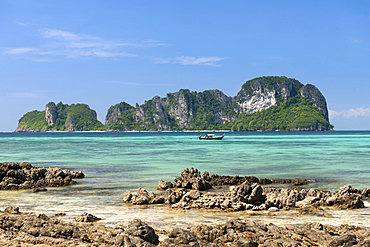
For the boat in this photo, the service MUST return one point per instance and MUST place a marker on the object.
(211, 137)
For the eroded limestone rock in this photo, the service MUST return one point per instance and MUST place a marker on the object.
(17, 176)
(189, 191)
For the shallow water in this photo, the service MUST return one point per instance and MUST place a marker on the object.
(115, 162)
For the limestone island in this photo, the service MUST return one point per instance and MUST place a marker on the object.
(267, 103)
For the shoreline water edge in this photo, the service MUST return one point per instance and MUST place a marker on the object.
(190, 191)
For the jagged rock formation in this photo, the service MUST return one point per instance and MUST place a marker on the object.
(314, 95)
(252, 234)
(35, 229)
(180, 110)
(115, 114)
(212, 109)
(60, 117)
(16, 176)
(249, 195)
(262, 93)
(51, 113)
(86, 217)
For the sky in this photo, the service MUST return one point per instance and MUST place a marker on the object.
(102, 53)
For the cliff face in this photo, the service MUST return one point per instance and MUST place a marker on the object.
(116, 112)
(181, 106)
(186, 107)
(51, 113)
(60, 117)
(181, 110)
(264, 92)
(313, 94)
(212, 108)
(153, 113)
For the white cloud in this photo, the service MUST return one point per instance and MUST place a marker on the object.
(82, 45)
(96, 53)
(62, 44)
(19, 50)
(58, 44)
(185, 60)
(24, 23)
(59, 34)
(111, 54)
(351, 113)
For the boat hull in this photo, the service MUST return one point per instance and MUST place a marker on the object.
(211, 137)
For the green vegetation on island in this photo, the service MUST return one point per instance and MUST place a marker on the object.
(33, 121)
(264, 103)
(61, 117)
(291, 114)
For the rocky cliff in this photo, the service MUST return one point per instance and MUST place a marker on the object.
(264, 92)
(60, 117)
(181, 110)
(212, 109)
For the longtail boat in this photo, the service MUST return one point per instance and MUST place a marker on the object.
(211, 137)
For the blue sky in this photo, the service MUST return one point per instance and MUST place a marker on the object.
(105, 52)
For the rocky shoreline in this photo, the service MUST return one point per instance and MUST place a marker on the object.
(190, 190)
(34, 229)
(193, 190)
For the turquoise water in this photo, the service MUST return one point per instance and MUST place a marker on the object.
(115, 162)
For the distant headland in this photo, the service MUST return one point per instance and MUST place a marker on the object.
(267, 103)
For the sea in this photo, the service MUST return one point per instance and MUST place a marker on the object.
(114, 162)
